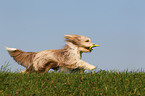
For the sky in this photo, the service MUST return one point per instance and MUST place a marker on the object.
(118, 26)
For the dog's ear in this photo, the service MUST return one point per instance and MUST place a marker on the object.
(71, 36)
(73, 39)
(68, 36)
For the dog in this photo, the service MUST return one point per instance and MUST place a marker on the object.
(65, 59)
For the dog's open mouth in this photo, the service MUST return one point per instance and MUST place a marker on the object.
(89, 49)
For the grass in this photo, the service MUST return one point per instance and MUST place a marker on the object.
(101, 83)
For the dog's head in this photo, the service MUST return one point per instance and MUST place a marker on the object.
(83, 43)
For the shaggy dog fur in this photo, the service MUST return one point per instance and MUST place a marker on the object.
(65, 59)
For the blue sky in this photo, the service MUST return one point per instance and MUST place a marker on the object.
(118, 26)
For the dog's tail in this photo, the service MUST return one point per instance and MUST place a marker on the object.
(23, 58)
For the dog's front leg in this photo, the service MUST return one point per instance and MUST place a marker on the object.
(84, 65)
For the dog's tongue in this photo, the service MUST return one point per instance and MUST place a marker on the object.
(91, 47)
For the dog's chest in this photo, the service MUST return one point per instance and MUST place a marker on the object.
(75, 54)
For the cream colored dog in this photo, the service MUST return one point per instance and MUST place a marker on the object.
(65, 59)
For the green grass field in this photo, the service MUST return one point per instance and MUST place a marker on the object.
(101, 83)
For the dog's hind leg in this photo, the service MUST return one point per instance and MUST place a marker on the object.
(50, 65)
(47, 69)
(24, 71)
(30, 69)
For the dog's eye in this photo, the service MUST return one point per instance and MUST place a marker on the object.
(87, 41)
